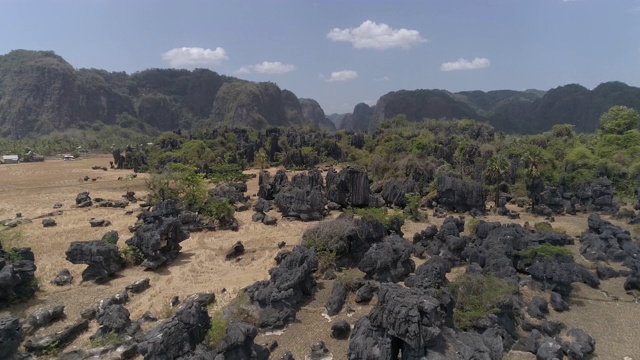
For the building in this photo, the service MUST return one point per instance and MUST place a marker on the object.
(67, 157)
(10, 159)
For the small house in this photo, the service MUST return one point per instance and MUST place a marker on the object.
(10, 159)
(67, 157)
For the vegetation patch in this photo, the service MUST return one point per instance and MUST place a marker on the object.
(217, 331)
(111, 338)
(472, 225)
(131, 255)
(477, 297)
(544, 250)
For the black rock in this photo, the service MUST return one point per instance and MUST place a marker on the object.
(366, 292)
(557, 302)
(538, 307)
(281, 244)
(349, 187)
(457, 195)
(83, 200)
(257, 217)
(42, 344)
(236, 250)
(549, 349)
(281, 255)
(17, 275)
(160, 235)
(287, 356)
(138, 286)
(340, 330)
(262, 205)
(48, 222)
(290, 283)
(389, 260)
(99, 222)
(578, 344)
(177, 335)
(10, 336)
(238, 344)
(44, 316)
(336, 299)
(319, 351)
(268, 220)
(103, 259)
(64, 277)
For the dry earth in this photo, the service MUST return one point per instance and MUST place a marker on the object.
(32, 188)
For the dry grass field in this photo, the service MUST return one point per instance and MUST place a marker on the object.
(33, 189)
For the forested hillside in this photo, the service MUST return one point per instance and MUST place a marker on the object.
(41, 93)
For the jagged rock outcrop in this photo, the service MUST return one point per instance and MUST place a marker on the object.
(10, 336)
(302, 198)
(177, 335)
(276, 300)
(57, 340)
(102, 257)
(238, 344)
(394, 191)
(336, 299)
(44, 316)
(388, 260)
(346, 236)
(17, 275)
(160, 235)
(461, 196)
(349, 187)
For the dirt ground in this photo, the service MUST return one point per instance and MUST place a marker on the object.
(33, 189)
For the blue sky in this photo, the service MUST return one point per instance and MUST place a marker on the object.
(344, 52)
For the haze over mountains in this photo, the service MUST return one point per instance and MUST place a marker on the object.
(40, 92)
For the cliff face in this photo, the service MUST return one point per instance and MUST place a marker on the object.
(313, 114)
(40, 92)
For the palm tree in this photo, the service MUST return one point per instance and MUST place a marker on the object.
(495, 174)
(535, 184)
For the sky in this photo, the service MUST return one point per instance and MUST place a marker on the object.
(343, 52)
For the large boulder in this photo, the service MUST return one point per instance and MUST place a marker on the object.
(160, 235)
(57, 340)
(83, 200)
(389, 260)
(349, 187)
(277, 299)
(394, 191)
(302, 198)
(455, 194)
(10, 336)
(238, 344)
(44, 316)
(177, 335)
(102, 257)
(17, 275)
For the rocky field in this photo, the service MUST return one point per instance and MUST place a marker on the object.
(409, 309)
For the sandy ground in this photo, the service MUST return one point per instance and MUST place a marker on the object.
(33, 188)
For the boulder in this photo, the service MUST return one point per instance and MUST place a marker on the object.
(99, 222)
(336, 299)
(44, 316)
(83, 200)
(366, 292)
(177, 335)
(394, 191)
(549, 350)
(115, 320)
(388, 261)
(349, 187)
(578, 344)
(102, 257)
(340, 330)
(159, 236)
(99, 307)
(557, 302)
(268, 220)
(10, 336)
(55, 341)
(277, 299)
(238, 344)
(48, 222)
(138, 286)
(303, 198)
(229, 193)
(538, 307)
(17, 275)
(262, 206)
(257, 217)
(64, 277)
(461, 196)
(236, 250)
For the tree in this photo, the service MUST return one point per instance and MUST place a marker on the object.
(535, 184)
(619, 119)
(495, 173)
(261, 158)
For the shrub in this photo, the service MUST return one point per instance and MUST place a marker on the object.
(545, 250)
(413, 205)
(322, 245)
(131, 255)
(110, 338)
(217, 331)
(543, 226)
(477, 297)
(472, 225)
(350, 279)
(220, 211)
(9, 239)
(382, 215)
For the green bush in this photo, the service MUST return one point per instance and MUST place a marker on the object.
(543, 226)
(131, 255)
(220, 211)
(217, 331)
(545, 250)
(382, 215)
(322, 245)
(477, 297)
(9, 239)
(110, 338)
(472, 225)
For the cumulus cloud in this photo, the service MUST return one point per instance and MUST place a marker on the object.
(464, 64)
(194, 56)
(343, 75)
(370, 35)
(267, 67)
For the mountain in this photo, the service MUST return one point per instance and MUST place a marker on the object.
(40, 92)
(526, 112)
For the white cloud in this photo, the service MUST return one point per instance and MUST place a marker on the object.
(464, 64)
(267, 67)
(343, 75)
(194, 56)
(370, 35)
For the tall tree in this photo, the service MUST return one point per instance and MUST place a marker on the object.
(495, 174)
